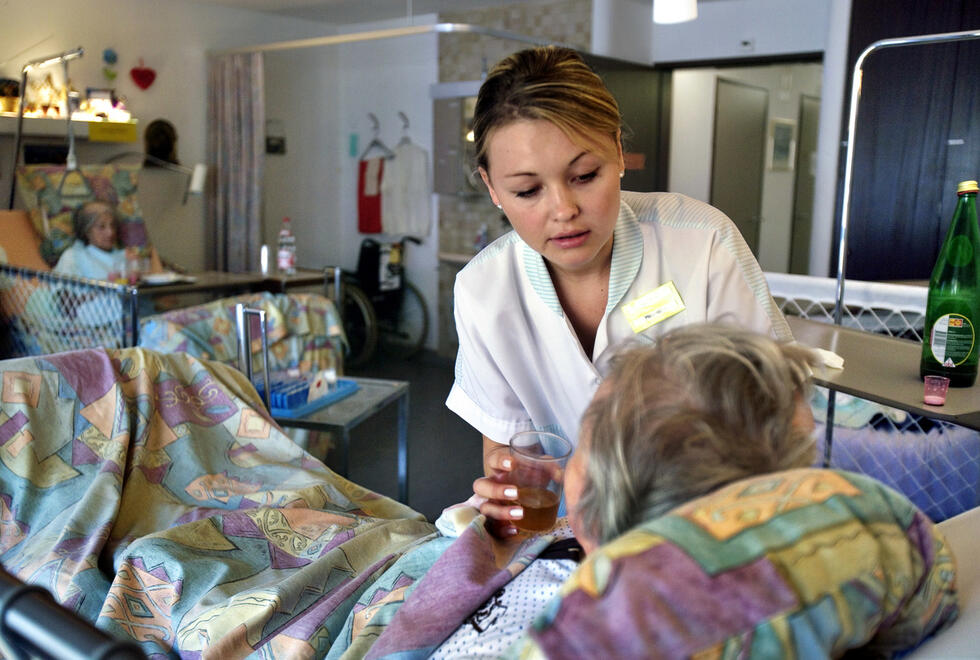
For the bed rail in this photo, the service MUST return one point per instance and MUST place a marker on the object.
(44, 312)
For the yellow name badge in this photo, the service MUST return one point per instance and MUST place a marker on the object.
(654, 307)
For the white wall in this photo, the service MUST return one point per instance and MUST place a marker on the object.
(172, 37)
(692, 128)
(832, 103)
(316, 182)
(771, 27)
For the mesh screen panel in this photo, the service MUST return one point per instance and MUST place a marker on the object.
(50, 313)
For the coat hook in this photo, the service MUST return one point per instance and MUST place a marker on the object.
(375, 124)
(404, 119)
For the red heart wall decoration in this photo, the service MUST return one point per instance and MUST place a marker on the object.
(143, 76)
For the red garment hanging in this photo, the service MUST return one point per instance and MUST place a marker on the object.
(369, 176)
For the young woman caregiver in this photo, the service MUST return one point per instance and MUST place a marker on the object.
(541, 310)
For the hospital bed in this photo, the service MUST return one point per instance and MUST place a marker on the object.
(153, 496)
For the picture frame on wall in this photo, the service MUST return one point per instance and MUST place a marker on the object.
(781, 152)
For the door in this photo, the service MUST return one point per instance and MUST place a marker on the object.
(739, 153)
(799, 256)
(643, 96)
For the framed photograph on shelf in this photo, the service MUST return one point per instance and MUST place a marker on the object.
(781, 154)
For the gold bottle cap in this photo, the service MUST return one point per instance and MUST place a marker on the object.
(966, 187)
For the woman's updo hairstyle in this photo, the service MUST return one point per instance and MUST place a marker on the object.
(551, 83)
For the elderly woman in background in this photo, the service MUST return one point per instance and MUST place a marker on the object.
(96, 252)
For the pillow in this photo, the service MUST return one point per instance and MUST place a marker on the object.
(805, 562)
(19, 241)
(46, 192)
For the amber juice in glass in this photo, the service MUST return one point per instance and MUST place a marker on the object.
(538, 471)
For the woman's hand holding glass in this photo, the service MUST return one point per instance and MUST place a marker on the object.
(501, 507)
(524, 486)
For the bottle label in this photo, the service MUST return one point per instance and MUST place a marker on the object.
(951, 339)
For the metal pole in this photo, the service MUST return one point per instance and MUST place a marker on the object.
(244, 336)
(19, 133)
(134, 315)
(18, 136)
(856, 81)
(371, 35)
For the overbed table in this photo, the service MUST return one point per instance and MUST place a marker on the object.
(209, 281)
(883, 369)
(213, 281)
(342, 416)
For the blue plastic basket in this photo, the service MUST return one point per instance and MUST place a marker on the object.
(288, 398)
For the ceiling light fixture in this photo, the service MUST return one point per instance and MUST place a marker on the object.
(674, 11)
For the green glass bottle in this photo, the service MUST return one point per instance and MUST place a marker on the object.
(950, 337)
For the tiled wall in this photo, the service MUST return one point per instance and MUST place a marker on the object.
(466, 57)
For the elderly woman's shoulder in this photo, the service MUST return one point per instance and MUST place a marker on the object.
(68, 258)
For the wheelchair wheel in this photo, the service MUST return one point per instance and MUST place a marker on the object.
(404, 336)
(360, 325)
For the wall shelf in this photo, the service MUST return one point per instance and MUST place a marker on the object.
(102, 131)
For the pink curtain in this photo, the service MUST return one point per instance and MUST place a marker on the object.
(236, 147)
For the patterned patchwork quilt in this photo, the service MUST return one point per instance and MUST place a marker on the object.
(805, 563)
(303, 329)
(152, 496)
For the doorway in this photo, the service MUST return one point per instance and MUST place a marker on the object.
(806, 165)
(738, 155)
(692, 163)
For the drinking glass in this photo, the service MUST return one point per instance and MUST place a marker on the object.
(538, 471)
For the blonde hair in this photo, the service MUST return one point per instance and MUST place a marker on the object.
(550, 83)
(706, 406)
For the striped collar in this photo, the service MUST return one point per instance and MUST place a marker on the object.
(627, 254)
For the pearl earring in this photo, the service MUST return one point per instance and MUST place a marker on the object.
(499, 206)
(622, 174)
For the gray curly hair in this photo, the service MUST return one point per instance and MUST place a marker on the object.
(86, 214)
(706, 406)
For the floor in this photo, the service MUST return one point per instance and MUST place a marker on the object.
(444, 452)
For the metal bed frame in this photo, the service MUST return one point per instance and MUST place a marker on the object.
(44, 312)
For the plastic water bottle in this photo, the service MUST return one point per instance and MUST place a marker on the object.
(286, 255)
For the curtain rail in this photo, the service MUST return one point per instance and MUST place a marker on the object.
(371, 35)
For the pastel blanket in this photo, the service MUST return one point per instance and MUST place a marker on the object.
(153, 496)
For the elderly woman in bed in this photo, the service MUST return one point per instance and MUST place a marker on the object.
(96, 253)
(707, 532)
(706, 406)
